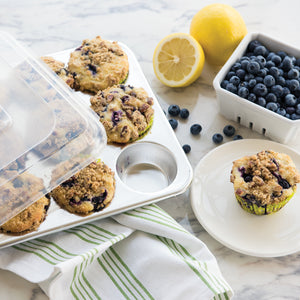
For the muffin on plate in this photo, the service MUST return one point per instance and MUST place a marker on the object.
(264, 182)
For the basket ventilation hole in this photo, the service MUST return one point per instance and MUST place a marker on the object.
(250, 125)
(238, 119)
(263, 131)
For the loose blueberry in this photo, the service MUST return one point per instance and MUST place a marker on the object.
(240, 73)
(281, 111)
(237, 137)
(292, 84)
(293, 73)
(173, 123)
(252, 45)
(229, 130)
(184, 113)
(217, 138)
(252, 83)
(195, 129)
(274, 72)
(282, 54)
(277, 90)
(186, 148)
(174, 110)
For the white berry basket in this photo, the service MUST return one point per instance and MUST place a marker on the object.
(257, 118)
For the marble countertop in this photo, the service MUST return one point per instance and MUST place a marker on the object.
(51, 25)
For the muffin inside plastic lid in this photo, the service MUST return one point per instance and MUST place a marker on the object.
(43, 126)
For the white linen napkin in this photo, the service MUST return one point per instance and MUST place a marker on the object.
(140, 254)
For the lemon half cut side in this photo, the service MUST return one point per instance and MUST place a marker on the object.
(178, 60)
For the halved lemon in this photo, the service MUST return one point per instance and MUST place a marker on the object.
(178, 60)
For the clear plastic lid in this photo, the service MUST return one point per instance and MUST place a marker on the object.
(46, 133)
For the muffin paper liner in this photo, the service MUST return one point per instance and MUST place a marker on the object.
(265, 209)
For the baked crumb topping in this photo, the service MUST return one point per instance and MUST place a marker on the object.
(264, 178)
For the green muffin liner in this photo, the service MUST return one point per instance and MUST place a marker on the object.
(265, 209)
(123, 80)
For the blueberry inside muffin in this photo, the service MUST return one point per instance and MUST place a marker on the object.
(263, 183)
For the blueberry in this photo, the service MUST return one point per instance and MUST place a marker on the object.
(229, 75)
(243, 92)
(281, 111)
(253, 67)
(224, 83)
(195, 129)
(261, 60)
(217, 138)
(295, 116)
(186, 148)
(248, 77)
(235, 80)
(260, 89)
(244, 64)
(290, 100)
(261, 50)
(252, 97)
(231, 88)
(237, 137)
(280, 80)
(290, 110)
(252, 45)
(173, 123)
(285, 91)
(277, 90)
(293, 73)
(272, 106)
(269, 80)
(271, 97)
(261, 101)
(274, 72)
(240, 73)
(282, 54)
(270, 55)
(262, 72)
(252, 83)
(184, 113)
(236, 66)
(244, 84)
(292, 84)
(229, 130)
(269, 64)
(174, 110)
(298, 109)
(259, 79)
(297, 63)
(276, 59)
(287, 63)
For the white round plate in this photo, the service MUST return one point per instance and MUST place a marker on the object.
(217, 210)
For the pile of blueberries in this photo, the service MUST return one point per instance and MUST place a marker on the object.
(269, 79)
(174, 111)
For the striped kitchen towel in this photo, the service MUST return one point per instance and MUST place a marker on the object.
(140, 254)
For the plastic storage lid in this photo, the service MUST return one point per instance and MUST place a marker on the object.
(46, 133)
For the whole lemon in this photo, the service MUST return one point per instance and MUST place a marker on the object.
(218, 28)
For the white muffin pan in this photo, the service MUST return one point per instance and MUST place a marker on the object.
(251, 115)
(146, 171)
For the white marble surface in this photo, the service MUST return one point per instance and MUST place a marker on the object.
(53, 25)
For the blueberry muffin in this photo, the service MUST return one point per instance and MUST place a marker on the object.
(59, 68)
(89, 190)
(263, 183)
(29, 219)
(98, 64)
(126, 112)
